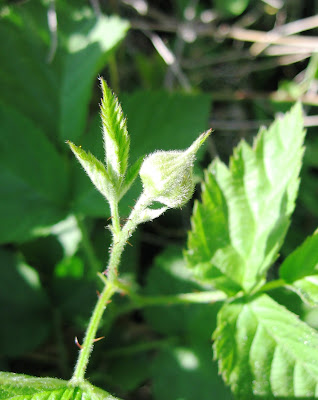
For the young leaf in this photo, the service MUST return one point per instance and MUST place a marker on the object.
(300, 270)
(130, 177)
(18, 386)
(265, 351)
(95, 170)
(245, 212)
(116, 139)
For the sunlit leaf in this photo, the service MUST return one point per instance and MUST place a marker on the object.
(265, 351)
(240, 225)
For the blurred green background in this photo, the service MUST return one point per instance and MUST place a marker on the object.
(178, 68)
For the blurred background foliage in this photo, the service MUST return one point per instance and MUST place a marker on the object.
(178, 68)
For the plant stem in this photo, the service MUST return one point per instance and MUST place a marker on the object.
(87, 346)
(120, 237)
(120, 240)
(205, 297)
(115, 219)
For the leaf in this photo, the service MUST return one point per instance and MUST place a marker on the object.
(131, 176)
(159, 120)
(26, 50)
(88, 50)
(50, 99)
(32, 174)
(265, 351)
(187, 373)
(55, 94)
(300, 270)
(116, 139)
(24, 387)
(95, 170)
(24, 307)
(240, 225)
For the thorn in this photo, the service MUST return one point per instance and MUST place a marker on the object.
(109, 301)
(99, 338)
(77, 343)
(109, 218)
(105, 272)
(98, 293)
(129, 243)
(131, 207)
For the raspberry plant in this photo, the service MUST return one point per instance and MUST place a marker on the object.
(263, 350)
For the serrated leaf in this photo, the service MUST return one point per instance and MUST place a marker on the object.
(96, 171)
(116, 139)
(245, 212)
(130, 177)
(24, 387)
(300, 270)
(265, 351)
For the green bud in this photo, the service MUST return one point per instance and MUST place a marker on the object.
(167, 176)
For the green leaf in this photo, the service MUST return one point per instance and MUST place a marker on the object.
(56, 93)
(24, 307)
(245, 212)
(187, 373)
(32, 174)
(159, 120)
(26, 50)
(51, 99)
(116, 139)
(96, 171)
(265, 351)
(300, 270)
(88, 50)
(24, 387)
(131, 176)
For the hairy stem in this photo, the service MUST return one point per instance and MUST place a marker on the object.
(120, 240)
(87, 346)
(120, 237)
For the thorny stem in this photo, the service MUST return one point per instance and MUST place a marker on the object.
(120, 237)
(87, 346)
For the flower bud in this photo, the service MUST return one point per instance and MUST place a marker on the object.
(167, 176)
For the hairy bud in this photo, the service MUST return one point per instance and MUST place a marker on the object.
(167, 176)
